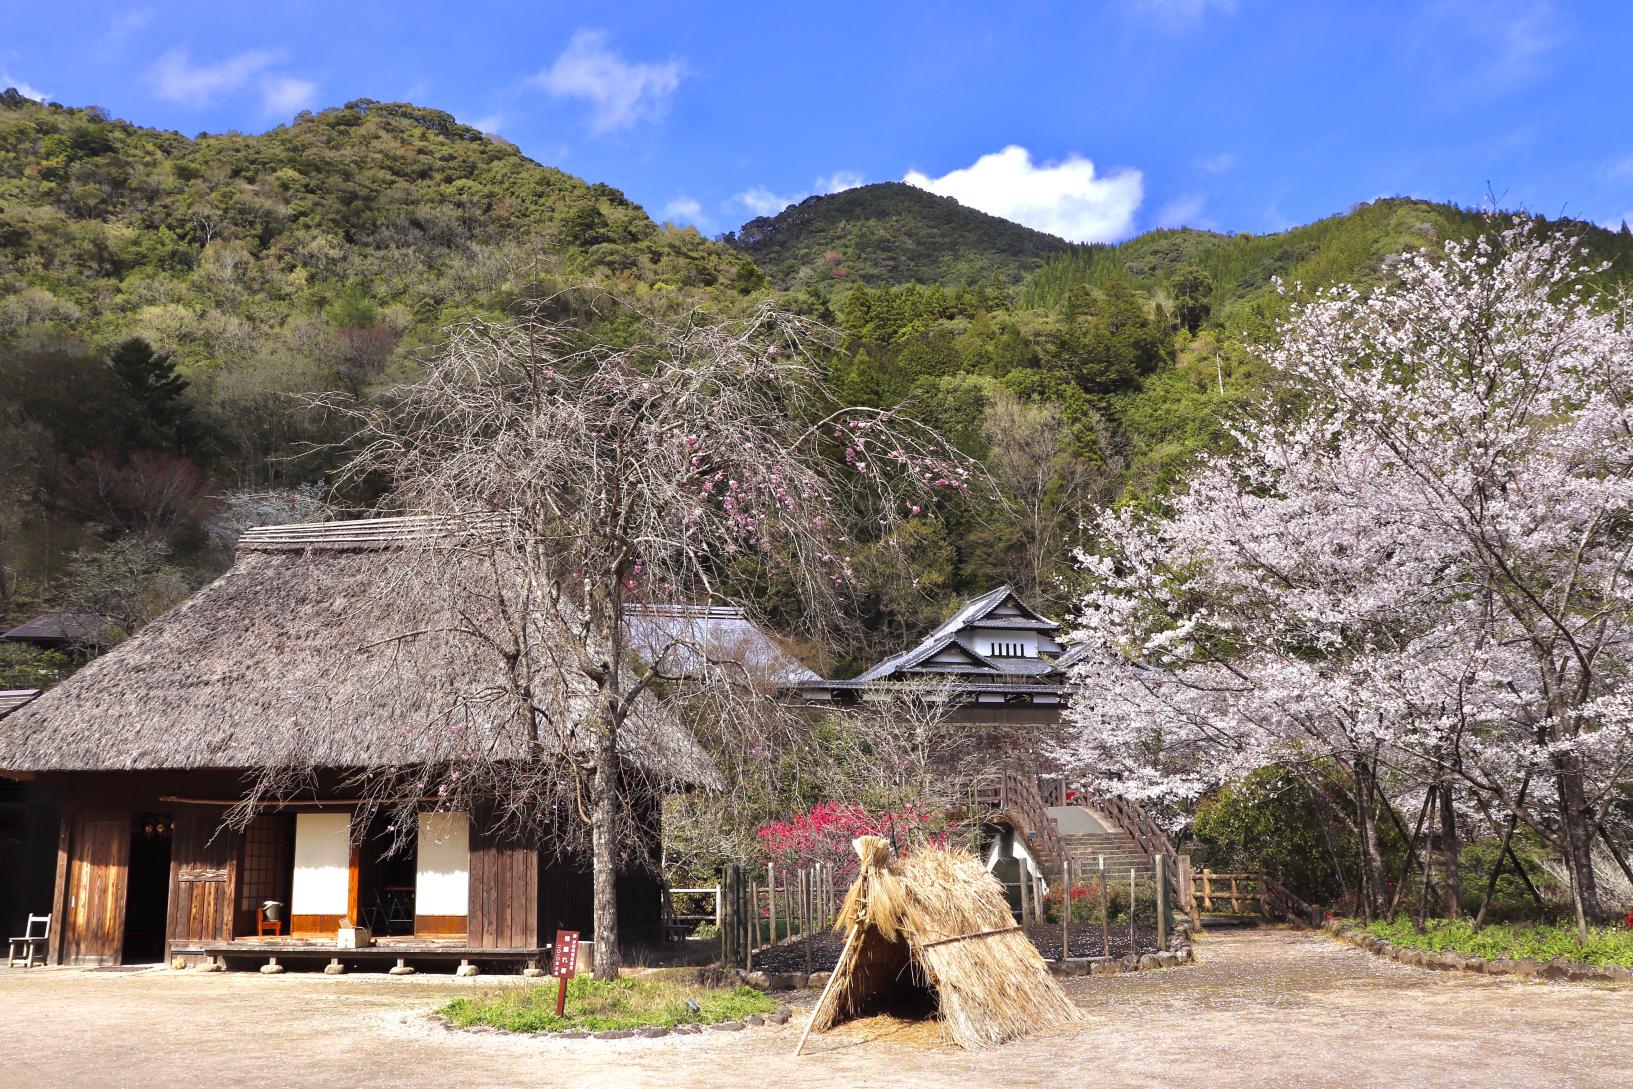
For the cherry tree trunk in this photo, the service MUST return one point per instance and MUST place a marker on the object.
(1578, 836)
(1450, 882)
(604, 854)
(1372, 864)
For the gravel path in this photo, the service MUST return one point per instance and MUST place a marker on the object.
(1265, 1008)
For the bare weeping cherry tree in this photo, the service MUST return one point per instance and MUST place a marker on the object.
(572, 482)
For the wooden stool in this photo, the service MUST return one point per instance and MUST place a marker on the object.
(263, 925)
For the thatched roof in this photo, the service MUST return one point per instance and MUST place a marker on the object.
(937, 921)
(318, 633)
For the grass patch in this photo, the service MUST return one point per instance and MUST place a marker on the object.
(1605, 945)
(595, 1006)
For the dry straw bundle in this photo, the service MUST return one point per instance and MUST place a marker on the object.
(936, 924)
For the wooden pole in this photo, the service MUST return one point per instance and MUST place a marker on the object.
(1105, 916)
(1160, 882)
(1411, 850)
(788, 904)
(1132, 947)
(1502, 855)
(771, 898)
(1065, 908)
(805, 887)
(1519, 869)
(753, 921)
(1021, 880)
(833, 977)
(1207, 889)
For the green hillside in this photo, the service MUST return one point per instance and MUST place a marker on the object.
(891, 233)
(228, 249)
(164, 301)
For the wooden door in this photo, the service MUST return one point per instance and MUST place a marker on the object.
(203, 877)
(95, 896)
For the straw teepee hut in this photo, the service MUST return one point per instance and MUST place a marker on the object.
(935, 925)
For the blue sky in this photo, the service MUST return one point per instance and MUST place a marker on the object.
(1094, 120)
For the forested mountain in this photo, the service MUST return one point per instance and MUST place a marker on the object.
(891, 233)
(162, 297)
(163, 300)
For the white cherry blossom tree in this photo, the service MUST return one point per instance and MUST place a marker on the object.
(1413, 563)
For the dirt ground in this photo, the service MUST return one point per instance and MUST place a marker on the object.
(1263, 1008)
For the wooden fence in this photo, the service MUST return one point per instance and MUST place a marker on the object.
(777, 906)
(1249, 894)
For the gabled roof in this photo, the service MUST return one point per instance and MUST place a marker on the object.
(1000, 608)
(319, 636)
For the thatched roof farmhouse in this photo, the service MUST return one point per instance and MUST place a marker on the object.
(314, 649)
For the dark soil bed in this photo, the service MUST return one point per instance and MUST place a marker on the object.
(1085, 942)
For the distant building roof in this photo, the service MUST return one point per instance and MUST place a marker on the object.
(13, 698)
(992, 643)
(685, 636)
(52, 628)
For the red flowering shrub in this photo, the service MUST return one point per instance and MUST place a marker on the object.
(824, 832)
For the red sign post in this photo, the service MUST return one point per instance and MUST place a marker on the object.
(564, 965)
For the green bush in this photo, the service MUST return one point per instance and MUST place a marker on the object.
(1605, 945)
(595, 1006)
(1270, 821)
(1085, 902)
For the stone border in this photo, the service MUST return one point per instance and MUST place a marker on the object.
(1453, 961)
(645, 1032)
(1179, 952)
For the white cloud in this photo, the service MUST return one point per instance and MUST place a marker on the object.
(287, 94)
(121, 27)
(176, 79)
(761, 201)
(1221, 163)
(490, 123)
(27, 90)
(839, 181)
(1064, 198)
(1614, 223)
(1619, 169)
(1489, 46)
(686, 210)
(1186, 210)
(620, 93)
(1183, 13)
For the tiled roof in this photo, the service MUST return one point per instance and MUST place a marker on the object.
(13, 698)
(58, 628)
(685, 635)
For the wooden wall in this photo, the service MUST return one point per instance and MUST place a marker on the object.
(504, 910)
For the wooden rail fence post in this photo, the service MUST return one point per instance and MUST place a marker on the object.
(1133, 895)
(771, 898)
(1160, 862)
(1105, 917)
(1065, 908)
(1207, 889)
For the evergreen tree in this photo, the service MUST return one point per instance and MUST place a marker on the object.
(165, 421)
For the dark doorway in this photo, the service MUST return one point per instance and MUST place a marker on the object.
(147, 895)
(388, 867)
